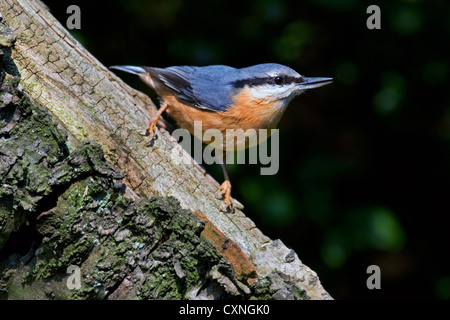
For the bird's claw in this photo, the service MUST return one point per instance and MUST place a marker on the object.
(151, 131)
(225, 193)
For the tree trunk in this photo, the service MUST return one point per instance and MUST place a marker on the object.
(81, 188)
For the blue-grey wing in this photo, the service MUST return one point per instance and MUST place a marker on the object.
(203, 87)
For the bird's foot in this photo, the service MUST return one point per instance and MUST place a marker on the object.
(151, 130)
(225, 192)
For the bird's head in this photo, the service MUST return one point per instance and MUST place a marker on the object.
(276, 82)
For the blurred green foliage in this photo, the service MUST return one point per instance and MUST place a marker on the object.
(364, 173)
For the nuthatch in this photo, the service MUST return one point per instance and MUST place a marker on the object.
(223, 97)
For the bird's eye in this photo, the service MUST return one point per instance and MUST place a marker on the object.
(279, 80)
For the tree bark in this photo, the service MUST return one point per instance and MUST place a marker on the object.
(92, 194)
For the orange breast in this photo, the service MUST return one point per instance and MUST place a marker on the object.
(247, 113)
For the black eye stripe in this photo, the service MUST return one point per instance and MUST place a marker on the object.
(253, 82)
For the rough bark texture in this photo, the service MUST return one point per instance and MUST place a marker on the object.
(79, 187)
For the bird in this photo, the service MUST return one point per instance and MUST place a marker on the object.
(223, 98)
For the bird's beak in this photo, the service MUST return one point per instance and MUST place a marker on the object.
(311, 83)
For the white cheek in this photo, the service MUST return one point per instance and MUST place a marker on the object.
(273, 93)
(263, 92)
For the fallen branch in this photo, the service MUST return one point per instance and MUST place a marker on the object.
(88, 102)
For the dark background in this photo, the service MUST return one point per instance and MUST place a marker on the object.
(364, 162)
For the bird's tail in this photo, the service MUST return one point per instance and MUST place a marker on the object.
(129, 69)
